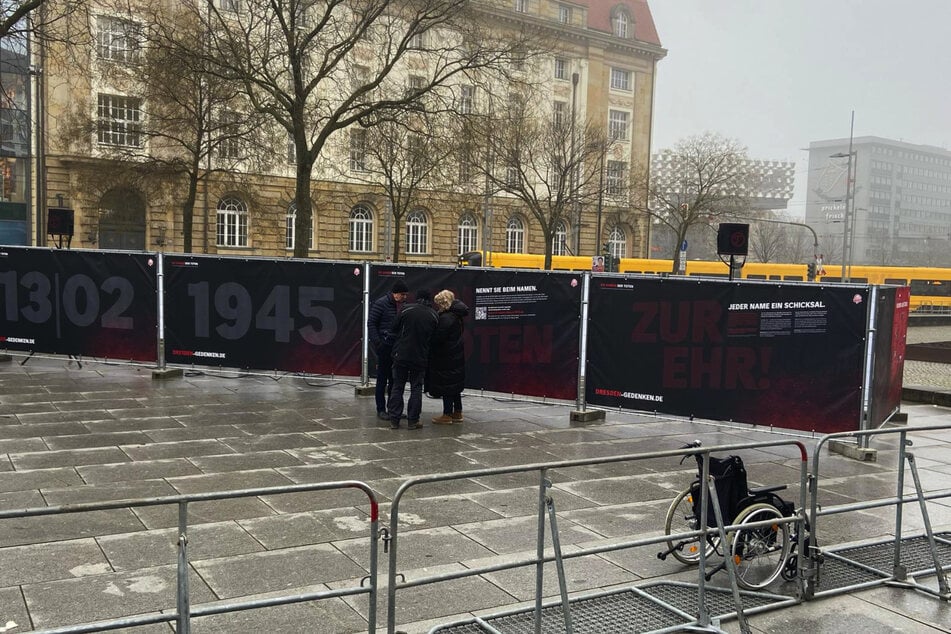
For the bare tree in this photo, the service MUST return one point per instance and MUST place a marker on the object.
(316, 67)
(33, 18)
(405, 160)
(197, 125)
(548, 163)
(767, 241)
(703, 178)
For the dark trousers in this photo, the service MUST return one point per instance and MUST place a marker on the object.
(452, 404)
(402, 375)
(384, 376)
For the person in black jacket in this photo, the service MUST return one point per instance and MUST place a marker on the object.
(383, 312)
(412, 332)
(447, 359)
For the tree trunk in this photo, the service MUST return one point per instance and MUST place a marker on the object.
(303, 219)
(188, 211)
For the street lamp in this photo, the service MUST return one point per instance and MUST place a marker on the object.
(847, 228)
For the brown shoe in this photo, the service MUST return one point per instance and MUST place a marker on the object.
(442, 420)
(456, 417)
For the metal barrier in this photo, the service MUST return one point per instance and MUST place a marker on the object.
(867, 565)
(702, 618)
(183, 611)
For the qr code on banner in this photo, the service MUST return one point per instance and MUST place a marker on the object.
(481, 312)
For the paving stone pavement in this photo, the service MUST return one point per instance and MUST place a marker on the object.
(101, 432)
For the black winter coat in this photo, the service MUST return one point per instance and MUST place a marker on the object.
(380, 322)
(413, 333)
(447, 360)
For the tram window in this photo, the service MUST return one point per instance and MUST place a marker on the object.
(756, 277)
(775, 277)
(896, 281)
(793, 277)
(933, 288)
(859, 280)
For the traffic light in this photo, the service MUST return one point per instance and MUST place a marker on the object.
(811, 271)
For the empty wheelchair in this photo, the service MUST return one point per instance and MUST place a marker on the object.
(759, 553)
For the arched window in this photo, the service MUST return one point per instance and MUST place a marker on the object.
(622, 23)
(361, 229)
(468, 234)
(617, 242)
(290, 227)
(559, 241)
(515, 235)
(417, 233)
(232, 225)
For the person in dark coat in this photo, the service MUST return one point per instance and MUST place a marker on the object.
(383, 312)
(447, 359)
(412, 333)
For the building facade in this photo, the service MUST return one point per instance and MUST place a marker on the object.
(610, 46)
(896, 209)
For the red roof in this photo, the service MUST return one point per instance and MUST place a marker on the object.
(599, 17)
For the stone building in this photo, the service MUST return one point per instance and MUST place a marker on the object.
(610, 46)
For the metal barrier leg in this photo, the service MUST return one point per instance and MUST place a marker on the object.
(730, 564)
(559, 564)
(184, 603)
(926, 518)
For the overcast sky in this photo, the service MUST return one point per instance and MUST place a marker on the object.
(777, 74)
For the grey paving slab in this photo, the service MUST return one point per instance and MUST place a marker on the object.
(411, 465)
(139, 470)
(14, 616)
(277, 570)
(39, 479)
(107, 596)
(245, 461)
(348, 454)
(338, 498)
(43, 529)
(136, 423)
(58, 416)
(300, 529)
(44, 430)
(328, 615)
(507, 457)
(68, 458)
(421, 548)
(19, 500)
(186, 449)
(247, 443)
(48, 562)
(580, 574)
(387, 488)
(90, 439)
(204, 512)
(233, 480)
(524, 501)
(520, 534)
(615, 490)
(5, 464)
(415, 514)
(623, 520)
(338, 471)
(146, 549)
(108, 491)
(194, 433)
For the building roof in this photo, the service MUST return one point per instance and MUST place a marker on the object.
(599, 17)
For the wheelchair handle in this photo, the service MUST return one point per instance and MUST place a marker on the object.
(690, 445)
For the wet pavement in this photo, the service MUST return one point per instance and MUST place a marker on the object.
(100, 432)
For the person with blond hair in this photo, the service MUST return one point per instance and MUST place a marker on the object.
(447, 359)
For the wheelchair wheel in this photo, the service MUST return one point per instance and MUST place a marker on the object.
(759, 553)
(680, 518)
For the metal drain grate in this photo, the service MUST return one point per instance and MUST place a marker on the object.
(915, 555)
(622, 612)
(719, 601)
(837, 573)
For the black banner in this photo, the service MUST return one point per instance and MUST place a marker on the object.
(523, 329)
(81, 303)
(789, 356)
(290, 315)
(891, 329)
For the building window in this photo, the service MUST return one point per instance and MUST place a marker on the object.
(617, 242)
(621, 24)
(564, 14)
(468, 234)
(559, 114)
(617, 125)
(515, 235)
(614, 178)
(228, 135)
(361, 229)
(230, 5)
(118, 40)
(120, 120)
(511, 176)
(466, 99)
(561, 68)
(232, 225)
(559, 241)
(620, 79)
(417, 233)
(358, 150)
(291, 230)
(416, 41)
(521, 6)
(291, 150)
